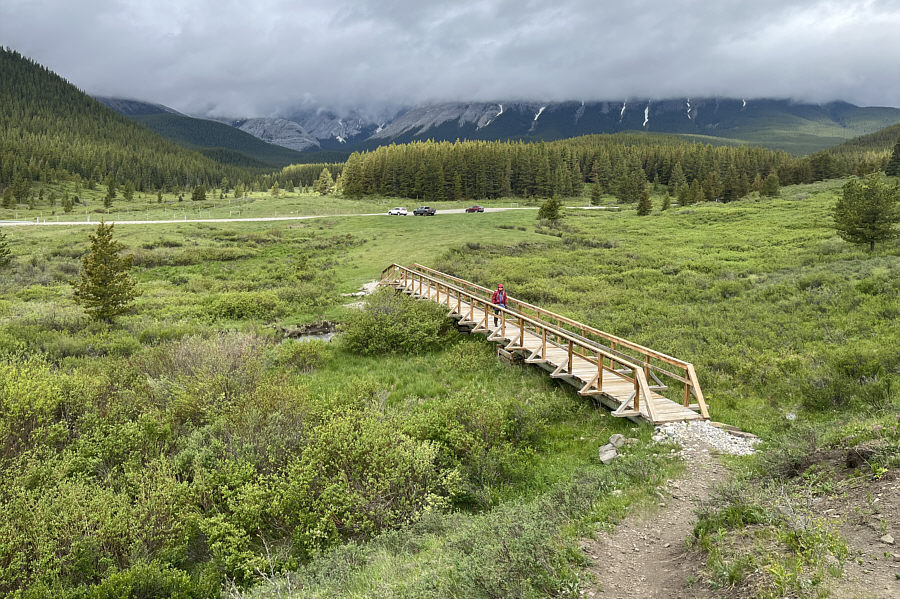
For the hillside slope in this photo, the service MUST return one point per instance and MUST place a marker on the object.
(204, 135)
(212, 138)
(47, 125)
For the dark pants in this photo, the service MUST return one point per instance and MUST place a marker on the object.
(496, 311)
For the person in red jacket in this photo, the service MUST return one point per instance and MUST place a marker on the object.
(498, 299)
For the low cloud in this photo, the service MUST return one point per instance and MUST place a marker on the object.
(261, 58)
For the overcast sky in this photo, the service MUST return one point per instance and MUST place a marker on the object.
(258, 57)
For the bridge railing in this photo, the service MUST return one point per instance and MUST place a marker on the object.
(465, 302)
(658, 367)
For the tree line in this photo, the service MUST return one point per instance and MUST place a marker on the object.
(618, 164)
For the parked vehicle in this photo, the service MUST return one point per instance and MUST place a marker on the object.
(424, 211)
(475, 208)
(398, 211)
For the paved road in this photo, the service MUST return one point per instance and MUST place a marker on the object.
(260, 219)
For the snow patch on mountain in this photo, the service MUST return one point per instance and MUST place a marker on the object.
(646, 116)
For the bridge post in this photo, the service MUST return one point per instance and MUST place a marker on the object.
(521, 332)
(599, 372)
(637, 393)
(503, 324)
(570, 357)
(543, 343)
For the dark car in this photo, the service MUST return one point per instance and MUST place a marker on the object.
(424, 211)
(475, 209)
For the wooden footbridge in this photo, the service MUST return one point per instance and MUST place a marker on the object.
(627, 377)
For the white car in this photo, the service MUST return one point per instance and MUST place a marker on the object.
(398, 212)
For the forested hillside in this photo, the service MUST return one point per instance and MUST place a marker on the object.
(49, 128)
(620, 164)
(219, 141)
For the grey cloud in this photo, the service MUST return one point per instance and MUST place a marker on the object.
(259, 58)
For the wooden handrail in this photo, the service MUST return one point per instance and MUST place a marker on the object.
(542, 311)
(691, 383)
(642, 387)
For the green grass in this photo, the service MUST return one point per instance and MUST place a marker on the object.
(145, 206)
(195, 394)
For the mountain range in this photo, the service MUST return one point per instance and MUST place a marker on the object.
(799, 128)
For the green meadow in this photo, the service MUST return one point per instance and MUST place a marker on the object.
(189, 450)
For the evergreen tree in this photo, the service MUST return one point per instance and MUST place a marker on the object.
(712, 186)
(893, 165)
(8, 200)
(458, 193)
(128, 191)
(324, 183)
(645, 205)
(275, 191)
(770, 186)
(5, 252)
(199, 193)
(67, 204)
(757, 183)
(667, 201)
(105, 289)
(108, 198)
(51, 199)
(731, 189)
(159, 197)
(596, 195)
(685, 193)
(868, 211)
(550, 209)
(677, 178)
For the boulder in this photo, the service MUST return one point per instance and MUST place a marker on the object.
(617, 440)
(607, 453)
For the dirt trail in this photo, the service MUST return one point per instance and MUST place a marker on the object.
(645, 555)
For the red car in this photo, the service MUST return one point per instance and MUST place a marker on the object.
(475, 209)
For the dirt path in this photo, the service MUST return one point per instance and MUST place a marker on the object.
(645, 555)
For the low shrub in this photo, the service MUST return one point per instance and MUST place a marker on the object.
(249, 305)
(305, 356)
(393, 323)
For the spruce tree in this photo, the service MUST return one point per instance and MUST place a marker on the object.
(645, 205)
(549, 210)
(8, 200)
(893, 165)
(67, 204)
(5, 252)
(596, 195)
(198, 194)
(676, 178)
(276, 191)
(324, 183)
(667, 201)
(128, 191)
(770, 186)
(105, 288)
(868, 211)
